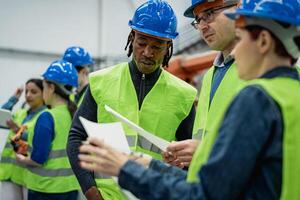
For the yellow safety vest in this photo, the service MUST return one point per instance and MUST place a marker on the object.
(10, 169)
(208, 116)
(286, 93)
(72, 98)
(163, 109)
(298, 69)
(55, 175)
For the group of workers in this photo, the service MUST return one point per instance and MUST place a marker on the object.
(41, 170)
(241, 143)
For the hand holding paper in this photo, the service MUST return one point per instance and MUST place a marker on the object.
(157, 141)
(111, 133)
(5, 115)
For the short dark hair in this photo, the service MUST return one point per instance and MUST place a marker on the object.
(79, 68)
(37, 81)
(280, 50)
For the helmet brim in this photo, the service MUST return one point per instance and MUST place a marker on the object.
(190, 11)
(237, 13)
(153, 33)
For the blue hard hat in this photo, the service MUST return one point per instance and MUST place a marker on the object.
(78, 56)
(287, 11)
(189, 12)
(156, 18)
(61, 72)
(267, 13)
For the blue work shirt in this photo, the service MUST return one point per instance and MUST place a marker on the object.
(42, 138)
(245, 161)
(29, 116)
(221, 66)
(10, 103)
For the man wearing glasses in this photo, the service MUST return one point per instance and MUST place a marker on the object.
(221, 81)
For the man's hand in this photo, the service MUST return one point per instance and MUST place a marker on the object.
(19, 92)
(99, 157)
(181, 153)
(171, 159)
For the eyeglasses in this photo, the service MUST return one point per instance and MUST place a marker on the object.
(209, 16)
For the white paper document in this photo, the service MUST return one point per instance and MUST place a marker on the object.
(157, 141)
(4, 116)
(112, 133)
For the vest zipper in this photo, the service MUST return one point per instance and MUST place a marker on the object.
(142, 90)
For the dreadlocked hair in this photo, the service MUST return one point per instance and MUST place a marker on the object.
(167, 57)
(129, 43)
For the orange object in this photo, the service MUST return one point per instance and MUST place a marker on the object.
(19, 145)
(186, 68)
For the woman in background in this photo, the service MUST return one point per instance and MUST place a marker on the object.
(11, 172)
(49, 175)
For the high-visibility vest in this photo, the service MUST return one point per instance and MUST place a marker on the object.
(209, 115)
(10, 169)
(72, 98)
(163, 109)
(55, 175)
(286, 93)
(298, 69)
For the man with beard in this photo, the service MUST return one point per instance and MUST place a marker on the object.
(141, 90)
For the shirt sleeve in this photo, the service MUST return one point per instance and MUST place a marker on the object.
(164, 168)
(230, 164)
(185, 129)
(42, 138)
(10, 103)
(246, 129)
(88, 110)
(149, 184)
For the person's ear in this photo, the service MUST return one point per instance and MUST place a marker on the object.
(265, 42)
(51, 87)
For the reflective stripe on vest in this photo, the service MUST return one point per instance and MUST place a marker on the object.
(198, 135)
(41, 171)
(101, 176)
(52, 154)
(55, 153)
(10, 160)
(131, 139)
(145, 144)
(209, 115)
(51, 172)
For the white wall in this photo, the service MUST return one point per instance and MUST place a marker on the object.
(15, 70)
(50, 26)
